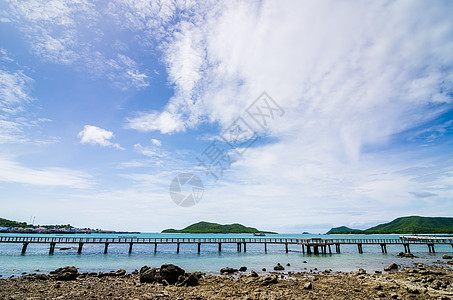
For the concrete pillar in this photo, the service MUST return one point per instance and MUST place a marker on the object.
(106, 248)
(24, 248)
(245, 247)
(199, 247)
(286, 247)
(177, 248)
(130, 247)
(155, 247)
(79, 250)
(52, 248)
(265, 247)
(220, 247)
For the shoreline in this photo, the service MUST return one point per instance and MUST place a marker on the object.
(419, 281)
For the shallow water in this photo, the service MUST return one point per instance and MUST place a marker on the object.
(209, 260)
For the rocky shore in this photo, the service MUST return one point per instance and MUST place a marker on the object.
(172, 282)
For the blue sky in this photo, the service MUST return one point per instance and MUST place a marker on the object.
(103, 103)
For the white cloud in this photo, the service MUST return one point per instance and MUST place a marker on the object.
(156, 142)
(350, 76)
(72, 33)
(166, 122)
(13, 172)
(94, 135)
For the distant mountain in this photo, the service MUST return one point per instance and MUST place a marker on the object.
(9, 223)
(343, 229)
(206, 227)
(406, 225)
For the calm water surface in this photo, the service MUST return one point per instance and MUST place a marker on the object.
(209, 260)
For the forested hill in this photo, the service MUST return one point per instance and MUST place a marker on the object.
(207, 227)
(406, 225)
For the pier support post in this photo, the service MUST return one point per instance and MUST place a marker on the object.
(245, 247)
(316, 250)
(384, 248)
(155, 247)
(286, 247)
(106, 248)
(265, 247)
(337, 248)
(303, 249)
(308, 249)
(239, 247)
(79, 250)
(360, 248)
(199, 247)
(177, 248)
(24, 248)
(52, 248)
(406, 248)
(220, 247)
(431, 248)
(130, 247)
(330, 250)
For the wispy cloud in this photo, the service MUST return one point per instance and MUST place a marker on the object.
(71, 33)
(13, 172)
(97, 136)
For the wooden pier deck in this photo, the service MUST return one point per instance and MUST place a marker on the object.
(309, 246)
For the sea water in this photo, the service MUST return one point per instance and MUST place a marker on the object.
(210, 260)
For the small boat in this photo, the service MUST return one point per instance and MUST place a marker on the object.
(259, 233)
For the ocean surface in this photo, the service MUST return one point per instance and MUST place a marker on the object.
(209, 260)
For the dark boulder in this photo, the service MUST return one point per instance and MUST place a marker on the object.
(446, 256)
(242, 269)
(253, 274)
(149, 275)
(391, 267)
(279, 267)
(66, 273)
(191, 280)
(171, 273)
(228, 270)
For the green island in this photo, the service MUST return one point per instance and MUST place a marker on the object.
(404, 225)
(207, 227)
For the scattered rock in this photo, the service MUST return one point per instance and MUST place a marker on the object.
(304, 262)
(66, 273)
(446, 256)
(391, 267)
(450, 262)
(149, 275)
(279, 267)
(378, 272)
(253, 274)
(288, 264)
(65, 248)
(243, 269)
(308, 286)
(191, 280)
(263, 269)
(135, 272)
(268, 280)
(413, 291)
(228, 270)
(361, 271)
(407, 255)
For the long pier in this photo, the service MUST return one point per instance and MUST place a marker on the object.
(309, 246)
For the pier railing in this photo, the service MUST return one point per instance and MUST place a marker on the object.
(315, 244)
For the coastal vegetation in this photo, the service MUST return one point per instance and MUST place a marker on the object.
(10, 223)
(342, 229)
(207, 227)
(404, 225)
